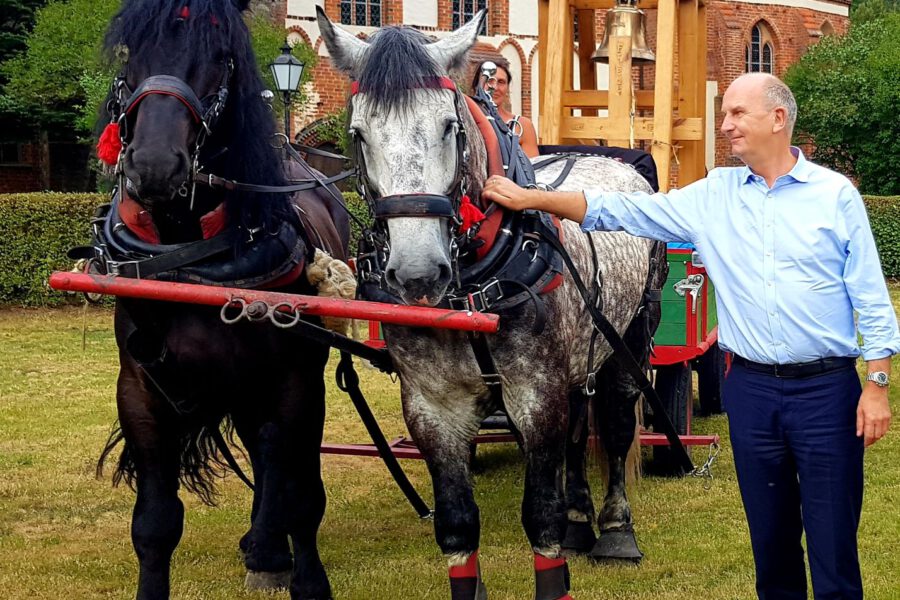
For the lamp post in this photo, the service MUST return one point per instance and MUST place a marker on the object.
(287, 71)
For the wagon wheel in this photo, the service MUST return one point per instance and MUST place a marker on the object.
(673, 385)
(711, 369)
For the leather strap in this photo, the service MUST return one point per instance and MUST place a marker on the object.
(414, 205)
(215, 181)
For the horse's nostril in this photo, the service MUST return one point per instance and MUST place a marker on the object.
(444, 274)
(391, 276)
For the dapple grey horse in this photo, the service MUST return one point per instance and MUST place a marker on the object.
(407, 134)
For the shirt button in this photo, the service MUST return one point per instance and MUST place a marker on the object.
(771, 314)
(769, 283)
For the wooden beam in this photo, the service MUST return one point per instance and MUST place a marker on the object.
(666, 24)
(620, 90)
(587, 70)
(600, 98)
(606, 4)
(554, 19)
(690, 129)
(691, 100)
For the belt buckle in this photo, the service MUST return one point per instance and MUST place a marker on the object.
(778, 372)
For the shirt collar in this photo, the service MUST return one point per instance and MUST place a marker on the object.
(800, 172)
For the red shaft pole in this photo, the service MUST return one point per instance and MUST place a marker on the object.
(147, 289)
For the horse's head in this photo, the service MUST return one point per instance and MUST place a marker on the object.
(187, 93)
(406, 118)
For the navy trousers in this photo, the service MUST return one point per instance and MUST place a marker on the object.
(800, 468)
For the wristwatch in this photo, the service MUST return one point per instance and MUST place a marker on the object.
(879, 377)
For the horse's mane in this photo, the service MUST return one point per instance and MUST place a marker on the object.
(396, 64)
(215, 29)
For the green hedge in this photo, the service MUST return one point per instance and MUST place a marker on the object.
(36, 230)
(884, 216)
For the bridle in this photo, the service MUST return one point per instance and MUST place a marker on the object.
(416, 205)
(205, 113)
(445, 205)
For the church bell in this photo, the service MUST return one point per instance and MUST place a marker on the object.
(625, 20)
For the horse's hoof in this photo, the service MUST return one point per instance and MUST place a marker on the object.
(617, 545)
(580, 538)
(266, 580)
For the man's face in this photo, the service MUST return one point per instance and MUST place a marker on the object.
(749, 122)
(501, 87)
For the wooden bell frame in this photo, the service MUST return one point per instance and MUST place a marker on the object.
(680, 40)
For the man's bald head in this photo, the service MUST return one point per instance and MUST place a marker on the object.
(777, 94)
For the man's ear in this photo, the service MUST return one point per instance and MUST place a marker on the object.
(780, 119)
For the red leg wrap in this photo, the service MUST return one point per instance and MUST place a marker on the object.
(551, 576)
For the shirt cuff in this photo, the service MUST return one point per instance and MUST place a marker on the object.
(878, 353)
(594, 199)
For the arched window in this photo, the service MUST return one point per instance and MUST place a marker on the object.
(464, 10)
(361, 12)
(760, 57)
(826, 28)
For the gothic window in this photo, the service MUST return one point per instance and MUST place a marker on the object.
(361, 12)
(760, 57)
(464, 10)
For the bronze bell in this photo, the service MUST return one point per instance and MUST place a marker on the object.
(625, 20)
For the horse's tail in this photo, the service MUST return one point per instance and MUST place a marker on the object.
(201, 462)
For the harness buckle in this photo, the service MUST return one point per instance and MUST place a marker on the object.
(492, 379)
(114, 268)
(590, 384)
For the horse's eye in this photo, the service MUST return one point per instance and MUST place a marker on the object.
(356, 135)
(450, 128)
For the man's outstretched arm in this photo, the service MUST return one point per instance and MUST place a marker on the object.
(568, 205)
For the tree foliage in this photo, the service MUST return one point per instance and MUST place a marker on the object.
(848, 92)
(61, 78)
(863, 11)
(16, 22)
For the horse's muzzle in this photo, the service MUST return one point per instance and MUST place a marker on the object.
(156, 174)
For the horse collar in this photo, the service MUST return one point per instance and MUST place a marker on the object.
(140, 223)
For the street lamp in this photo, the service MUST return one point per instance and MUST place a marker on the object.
(286, 70)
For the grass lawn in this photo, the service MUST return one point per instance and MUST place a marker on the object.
(65, 534)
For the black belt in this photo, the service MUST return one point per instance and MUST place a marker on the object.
(807, 369)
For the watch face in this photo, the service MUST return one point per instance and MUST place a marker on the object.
(879, 378)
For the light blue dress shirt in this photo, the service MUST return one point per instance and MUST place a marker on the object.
(791, 264)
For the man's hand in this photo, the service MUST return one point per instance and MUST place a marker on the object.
(568, 205)
(506, 193)
(873, 414)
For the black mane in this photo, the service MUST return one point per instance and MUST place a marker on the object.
(213, 30)
(396, 65)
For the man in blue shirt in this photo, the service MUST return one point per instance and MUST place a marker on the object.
(789, 247)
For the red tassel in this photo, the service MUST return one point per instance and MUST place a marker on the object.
(110, 145)
(185, 13)
(469, 213)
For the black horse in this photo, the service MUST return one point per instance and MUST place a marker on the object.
(187, 102)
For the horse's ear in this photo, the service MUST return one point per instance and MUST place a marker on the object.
(346, 50)
(450, 52)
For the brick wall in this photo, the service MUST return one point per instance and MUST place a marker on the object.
(730, 26)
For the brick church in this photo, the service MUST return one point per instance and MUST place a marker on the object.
(742, 36)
